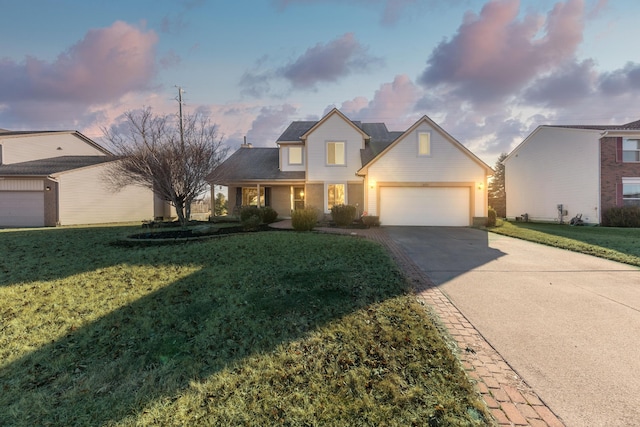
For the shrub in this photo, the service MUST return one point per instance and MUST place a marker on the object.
(251, 223)
(247, 212)
(626, 216)
(343, 215)
(491, 219)
(304, 219)
(371, 220)
(269, 215)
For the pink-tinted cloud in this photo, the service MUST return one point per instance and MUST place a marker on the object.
(393, 103)
(495, 53)
(103, 66)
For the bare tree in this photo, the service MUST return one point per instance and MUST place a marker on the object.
(170, 157)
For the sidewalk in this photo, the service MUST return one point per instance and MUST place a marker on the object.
(511, 401)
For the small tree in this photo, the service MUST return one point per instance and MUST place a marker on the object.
(170, 157)
(497, 193)
(220, 206)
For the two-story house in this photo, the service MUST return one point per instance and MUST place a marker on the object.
(422, 176)
(57, 178)
(558, 172)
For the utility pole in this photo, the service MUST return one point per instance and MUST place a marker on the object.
(180, 115)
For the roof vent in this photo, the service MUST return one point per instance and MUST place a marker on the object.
(246, 144)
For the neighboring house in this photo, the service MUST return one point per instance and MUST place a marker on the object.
(57, 178)
(558, 172)
(421, 176)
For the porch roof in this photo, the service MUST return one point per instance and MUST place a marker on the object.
(252, 164)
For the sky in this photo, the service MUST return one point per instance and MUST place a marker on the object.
(488, 72)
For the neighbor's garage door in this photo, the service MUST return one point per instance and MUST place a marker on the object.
(441, 206)
(21, 209)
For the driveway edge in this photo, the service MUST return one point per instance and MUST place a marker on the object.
(510, 399)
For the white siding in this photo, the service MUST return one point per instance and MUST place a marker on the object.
(334, 129)
(554, 166)
(44, 146)
(447, 163)
(84, 199)
(284, 158)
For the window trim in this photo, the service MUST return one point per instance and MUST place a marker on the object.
(428, 134)
(290, 162)
(344, 153)
(636, 151)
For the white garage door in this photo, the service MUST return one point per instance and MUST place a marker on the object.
(440, 206)
(21, 209)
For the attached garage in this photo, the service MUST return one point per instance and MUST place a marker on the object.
(22, 208)
(425, 206)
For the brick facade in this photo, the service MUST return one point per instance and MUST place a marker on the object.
(612, 170)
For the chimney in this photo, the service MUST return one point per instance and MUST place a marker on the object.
(245, 144)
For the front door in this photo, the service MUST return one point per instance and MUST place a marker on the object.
(297, 196)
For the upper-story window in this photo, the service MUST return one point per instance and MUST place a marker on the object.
(295, 155)
(335, 153)
(424, 143)
(631, 150)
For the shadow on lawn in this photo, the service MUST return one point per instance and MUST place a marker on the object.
(154, 347)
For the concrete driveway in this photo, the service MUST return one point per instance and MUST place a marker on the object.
(568, 323)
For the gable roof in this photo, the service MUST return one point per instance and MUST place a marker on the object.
(256, 163)
(333, 112)
(435, 126)
(54, 165)
(21, 133)
(627, 126)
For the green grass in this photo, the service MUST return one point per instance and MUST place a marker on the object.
(617, 244)
(275, 328)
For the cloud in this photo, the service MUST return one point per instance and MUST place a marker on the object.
(328, 63)
(392, 10)
(73, 90)
(621, 81)
(391, 104)
(565, 86)
(495, 54)
(269, 124)
(322, 63)
(103, 66)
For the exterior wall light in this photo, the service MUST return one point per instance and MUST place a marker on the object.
(480, 185)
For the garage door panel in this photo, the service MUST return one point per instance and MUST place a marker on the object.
(21, 209)
(424, 206)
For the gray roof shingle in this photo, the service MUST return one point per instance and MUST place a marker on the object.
(47, 167)
(256, 163)
(627, 126)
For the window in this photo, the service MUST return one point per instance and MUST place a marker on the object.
(335, 153)
(335, 195)
(250, 196)
(631, 150)
(295, 155)
(424, 144)
(631, 191)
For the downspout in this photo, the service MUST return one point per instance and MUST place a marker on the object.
(598, 208)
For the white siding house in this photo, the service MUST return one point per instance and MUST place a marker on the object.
(426, 177)
(588, 169)
(421, 176)
(56, 178)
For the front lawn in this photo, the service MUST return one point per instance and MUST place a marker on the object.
(275, 328)
(617, 244)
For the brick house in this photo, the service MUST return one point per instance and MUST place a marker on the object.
(560, 171)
